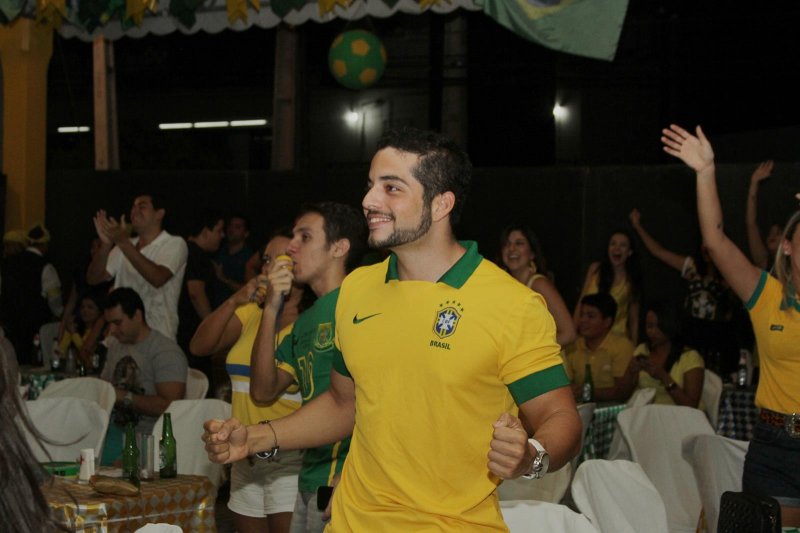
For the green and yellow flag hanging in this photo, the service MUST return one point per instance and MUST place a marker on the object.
(588, 28)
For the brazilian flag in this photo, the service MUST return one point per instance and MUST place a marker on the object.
(588, 28)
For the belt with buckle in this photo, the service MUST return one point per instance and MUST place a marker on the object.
(791, 423)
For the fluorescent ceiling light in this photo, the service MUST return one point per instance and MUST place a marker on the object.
(175, 126)
(73, 129)
(253, 122)
(212, 124)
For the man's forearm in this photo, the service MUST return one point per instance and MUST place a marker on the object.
(560, 434)
(149, 405)
(96, 273)
(155, 274)
(324, 420)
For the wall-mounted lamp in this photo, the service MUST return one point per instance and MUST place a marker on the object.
(560, 112)
(351, 117)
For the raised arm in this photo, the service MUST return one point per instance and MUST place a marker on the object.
(697, 153)
(267, 381)
(328, 418)
(220, 330)
(97, 273)
(672, 259)
(565, 327)
(758, 251)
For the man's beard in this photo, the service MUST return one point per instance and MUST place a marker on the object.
(405, 236)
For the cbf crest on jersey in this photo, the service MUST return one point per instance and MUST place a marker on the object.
(447, 318)
(324, 340)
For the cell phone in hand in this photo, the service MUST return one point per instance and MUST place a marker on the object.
(323, 497)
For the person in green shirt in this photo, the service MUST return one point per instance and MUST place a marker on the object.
(328, 241)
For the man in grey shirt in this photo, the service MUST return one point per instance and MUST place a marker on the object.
(147, 369)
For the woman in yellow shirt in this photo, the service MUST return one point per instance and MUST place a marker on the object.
(772, 463)
(522, 257)
(663, 363)
(619, 275)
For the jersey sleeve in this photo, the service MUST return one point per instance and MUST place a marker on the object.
(530, 363)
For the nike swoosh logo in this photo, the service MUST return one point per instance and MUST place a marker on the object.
(357, 320)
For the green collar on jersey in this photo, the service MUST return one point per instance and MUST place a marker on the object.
(458, 274)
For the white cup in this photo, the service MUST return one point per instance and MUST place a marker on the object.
(87, 465)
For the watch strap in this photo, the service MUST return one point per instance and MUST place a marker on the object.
(538, 466)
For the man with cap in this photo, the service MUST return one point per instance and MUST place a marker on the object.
(30, 294)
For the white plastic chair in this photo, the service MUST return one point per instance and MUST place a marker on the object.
(100, 391)
(551, 488)
(655, 434)
(619, 448)
(618, 497)
(159, 528)
(196, 385)
(712, 392)
(528, 516)
(718, 464)
(586, 412)
(72, 423)
(188, 417)
(641, 397)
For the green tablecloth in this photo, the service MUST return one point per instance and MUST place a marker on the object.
(601, 431)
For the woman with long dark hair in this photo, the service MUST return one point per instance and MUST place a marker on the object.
(772, 463)
(23, 507)
(522, 257)
(619, 275)
(663, 362)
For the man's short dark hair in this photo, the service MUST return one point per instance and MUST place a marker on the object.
(128, 299)
(205, 218)
(443, 165)
(603, 302)
(342, 221)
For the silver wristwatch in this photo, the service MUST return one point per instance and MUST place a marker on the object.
(540, 462)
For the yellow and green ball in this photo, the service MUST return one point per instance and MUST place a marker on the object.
(357, 59)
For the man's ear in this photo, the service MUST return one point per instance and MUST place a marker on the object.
(442, 205)
(341, 247)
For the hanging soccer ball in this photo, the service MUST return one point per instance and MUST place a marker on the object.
(357, 59)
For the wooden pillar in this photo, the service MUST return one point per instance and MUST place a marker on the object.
(284, 109)
(25, 50)
(454, 83)
(106, 139)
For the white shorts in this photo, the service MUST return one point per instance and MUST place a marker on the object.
(266, 487)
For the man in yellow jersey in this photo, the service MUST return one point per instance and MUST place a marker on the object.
(607, 353)
(440, 348)
(328, 241)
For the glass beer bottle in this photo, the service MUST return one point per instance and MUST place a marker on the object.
(167, 450)
(587, 394)
(130, 456)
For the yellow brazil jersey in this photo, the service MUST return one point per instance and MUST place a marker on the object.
(434, 365)
(777, 332)
(608, 361)
(238, 366)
